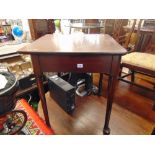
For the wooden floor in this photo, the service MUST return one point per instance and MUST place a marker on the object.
(88, 117)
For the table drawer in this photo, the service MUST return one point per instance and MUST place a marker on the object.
(85, 63)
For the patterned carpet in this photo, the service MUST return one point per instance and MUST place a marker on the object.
(34, 125)
(12, 122)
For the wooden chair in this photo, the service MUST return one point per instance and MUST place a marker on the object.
(118, 24)
(139, 62)
(136, 62)
(120, 37)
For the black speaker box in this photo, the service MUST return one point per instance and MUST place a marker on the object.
(62, 92)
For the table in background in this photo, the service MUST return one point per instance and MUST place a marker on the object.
(96, 53)
(10, 48)
(85, 26)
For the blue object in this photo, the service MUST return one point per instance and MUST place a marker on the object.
(17, 31)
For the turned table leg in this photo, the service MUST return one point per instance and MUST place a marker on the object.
(43, 99)
(100, 87)
(110, 95)
(39, 80)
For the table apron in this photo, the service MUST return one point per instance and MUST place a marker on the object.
(79, 64)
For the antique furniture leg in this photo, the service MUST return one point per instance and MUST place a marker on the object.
(132, 76)
(153, 131)
(100, 87)
(42, 98)
(120, 71)
(39, 79)
(111, 89)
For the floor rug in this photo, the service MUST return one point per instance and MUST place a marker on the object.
(34, 125)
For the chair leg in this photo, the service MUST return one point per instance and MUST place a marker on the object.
(153, 131)
(59, 74)
(120, 71)
(132, 76)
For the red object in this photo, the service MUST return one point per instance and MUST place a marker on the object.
(34, 125)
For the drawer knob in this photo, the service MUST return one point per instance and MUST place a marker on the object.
(79, 65)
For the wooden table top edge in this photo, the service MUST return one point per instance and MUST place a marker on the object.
(119, 51)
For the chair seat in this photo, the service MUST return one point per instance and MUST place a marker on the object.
(143, 60)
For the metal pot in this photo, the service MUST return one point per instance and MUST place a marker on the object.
(7, 95)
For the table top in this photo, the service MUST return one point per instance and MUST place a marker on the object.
(74, 44)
